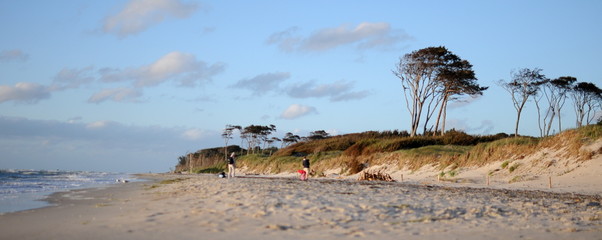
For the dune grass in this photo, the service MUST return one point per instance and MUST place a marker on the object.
(353, 152)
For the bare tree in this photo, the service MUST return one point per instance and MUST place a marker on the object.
(548, 116)
(418, 74)
(227, 135)
(586, 99)
(524, 84)
(555, 92)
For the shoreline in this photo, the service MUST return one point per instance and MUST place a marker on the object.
(259, 207)
(27, 189)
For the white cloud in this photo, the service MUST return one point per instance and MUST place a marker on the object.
(337, 91)
(24, 92)
(364, 36)
(179, 66)
(98, 124)
(262, 83)
(116, 94)
(15, 54)
(297, 111)
(194, 134)
(138, 15)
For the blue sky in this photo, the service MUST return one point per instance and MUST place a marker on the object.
(131, 85)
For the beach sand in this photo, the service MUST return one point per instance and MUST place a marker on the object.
(255, 207)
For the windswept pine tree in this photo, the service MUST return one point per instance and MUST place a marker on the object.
(431, 78)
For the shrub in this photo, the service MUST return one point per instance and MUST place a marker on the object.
(357, 149)
(453, 137)
(591, 131)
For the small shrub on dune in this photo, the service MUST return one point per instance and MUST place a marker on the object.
(454, 137)
(357, 149)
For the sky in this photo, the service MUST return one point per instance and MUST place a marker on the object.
(131, 85)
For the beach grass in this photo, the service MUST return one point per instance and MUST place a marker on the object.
(352, 153)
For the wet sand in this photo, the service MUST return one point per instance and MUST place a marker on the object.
(208, 207)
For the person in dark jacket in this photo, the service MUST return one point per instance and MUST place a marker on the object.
(231, 165)
(306, 167)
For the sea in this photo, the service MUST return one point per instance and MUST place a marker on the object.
(27, 189)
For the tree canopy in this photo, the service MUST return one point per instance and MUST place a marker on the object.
(431, 77)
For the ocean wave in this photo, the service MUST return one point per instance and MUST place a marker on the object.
(27, 183)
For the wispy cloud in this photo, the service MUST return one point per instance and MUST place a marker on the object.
(73, 78)
(363, 36)
(286, 40)
(263, 83)
(337, 91)
(484, 127)
(13, 55)
(138, 15)
(297, 110)
(117, 95)
(24, 92)
(182, 69)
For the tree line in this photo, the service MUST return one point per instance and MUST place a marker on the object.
(550, 95)
(258, 137)
(434, 76)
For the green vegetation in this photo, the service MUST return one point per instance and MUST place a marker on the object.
(592, 132)
(516, 179)
(170, 181)
(166, 181)
(351, 153)
(214, 169)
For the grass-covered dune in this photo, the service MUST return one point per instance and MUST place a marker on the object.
(351, 153)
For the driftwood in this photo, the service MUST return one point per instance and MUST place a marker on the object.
(375, 176)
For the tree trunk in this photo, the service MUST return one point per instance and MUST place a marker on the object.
(444, 118)
(517, 122)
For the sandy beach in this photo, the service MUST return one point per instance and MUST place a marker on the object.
(252, 207)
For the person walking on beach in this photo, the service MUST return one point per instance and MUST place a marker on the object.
(306, 167)
(231, 165)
